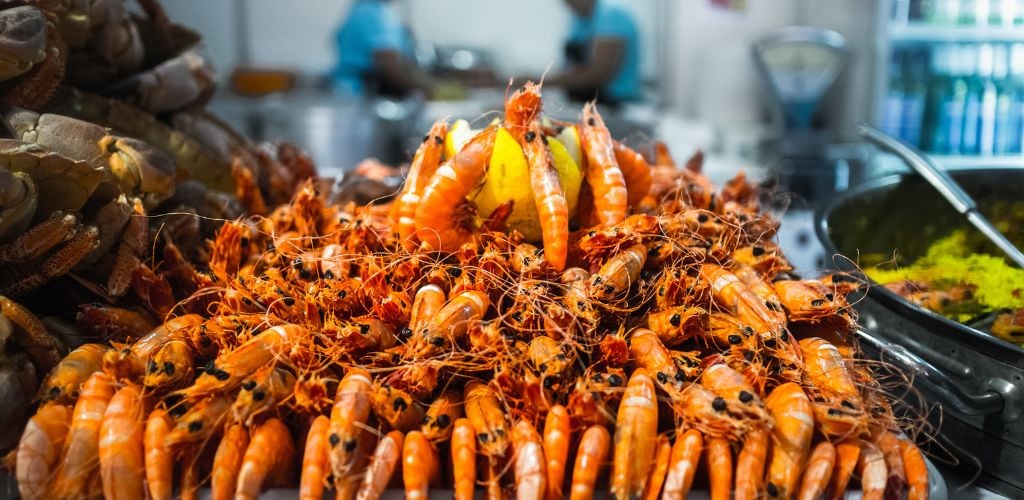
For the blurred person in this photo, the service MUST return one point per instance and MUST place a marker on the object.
(376, 53)
(602, 53)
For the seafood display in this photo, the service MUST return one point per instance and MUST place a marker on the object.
(104, 207)
(648, 341)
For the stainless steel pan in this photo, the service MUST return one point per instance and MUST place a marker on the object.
(977, 378)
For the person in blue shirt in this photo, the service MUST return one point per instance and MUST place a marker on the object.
(376, 54)
(602, 52)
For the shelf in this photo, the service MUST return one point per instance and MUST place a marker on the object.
(957, 161)
(924, 33)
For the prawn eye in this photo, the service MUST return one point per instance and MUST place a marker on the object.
(548, 383)
(350, 445)
(438, 140)
(614, 380)
(591, 122)
(772, 489)
(400, 404)
(662, 377)
(328, 274)
(443, 421)
(735, 339)
(757, 251)
(249, 385)
(169, 367)
(151, 366)
(258, 395)
(54, 392)
(675, 320)
(719, 404)
(334, 439)
(195, 426)
(746, 397)
(426, 137)
(530, 136)
(437, 342)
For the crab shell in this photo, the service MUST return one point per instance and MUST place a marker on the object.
(22, 40)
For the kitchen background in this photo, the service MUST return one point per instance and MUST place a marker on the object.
(944, 75)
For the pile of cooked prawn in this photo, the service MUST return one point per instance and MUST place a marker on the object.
(656, 341)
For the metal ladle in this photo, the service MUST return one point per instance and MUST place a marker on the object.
(945, 185)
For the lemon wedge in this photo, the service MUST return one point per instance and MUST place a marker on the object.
(508, 178)
(569, 172)
(458, 135)
(570, 138)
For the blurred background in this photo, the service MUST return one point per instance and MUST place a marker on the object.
(773, 87)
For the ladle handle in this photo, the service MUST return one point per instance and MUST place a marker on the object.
(945, 185)
(938, 178)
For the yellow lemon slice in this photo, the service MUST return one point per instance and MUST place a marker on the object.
(569, 173)
(508, 178)
(458, 135)
(571, 140)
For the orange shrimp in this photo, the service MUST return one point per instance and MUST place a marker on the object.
(39, 449)
(159, 461)
(635, 171)
(602, 170)
(683, 464)
(889, 444)
(656, 479)
(314, 460)
(396, 407)
(262, 392)
(647, 352)
(63, 382)
(121, 451)
(739, 396)
(489, 419)
(382, 466)
(199, 421)
(530, 466)
(618, 274)
(76, 473)
(590, 457)
(548, 195)
(676, 325)
(750, 464)
(170, 367)
(429, 299)
(449, 324)
(847, 456)
(522, 109)
(916, 469)
(576, 297)
(421, 170)
(267, 459)
(636, 436)
(263, 349)
(227, 462)
(444, 218)
(872, 470)
(838, 407)
(463, 451)
(419, 465)
(349, 414)
(719, 462)
(557, 434)
(818, 472)
(791, 437)
(441, 414)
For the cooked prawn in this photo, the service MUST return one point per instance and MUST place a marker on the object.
(602, 170)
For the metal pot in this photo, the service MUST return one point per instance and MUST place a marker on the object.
(977, 378)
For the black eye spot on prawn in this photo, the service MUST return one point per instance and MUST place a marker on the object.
(592, 122)
(719, 404)
(530, 136)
